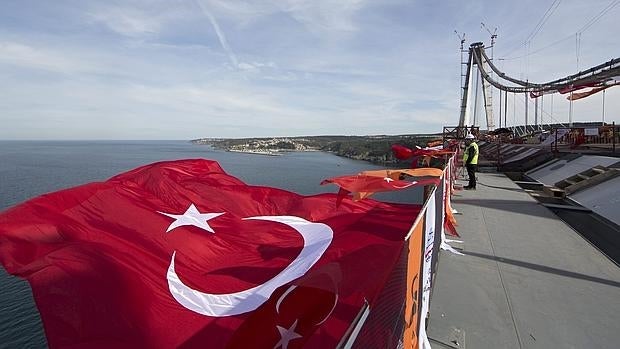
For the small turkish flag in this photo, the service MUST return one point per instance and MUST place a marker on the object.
(401, 152)
(404, 153)
(363, 185)
(181, 254)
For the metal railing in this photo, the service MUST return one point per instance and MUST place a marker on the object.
(599, 138)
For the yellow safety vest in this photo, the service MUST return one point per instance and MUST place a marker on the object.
(474, 160)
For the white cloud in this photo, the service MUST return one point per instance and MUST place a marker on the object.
(220, 34)
(128, 21)
(319, 16)
(26, 56)
(324, 15)
(243, 12)
(257, 68)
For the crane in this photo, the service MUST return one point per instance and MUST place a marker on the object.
(493, 35)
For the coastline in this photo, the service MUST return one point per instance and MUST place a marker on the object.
(280, 152)
(372, 149)
(256, 152)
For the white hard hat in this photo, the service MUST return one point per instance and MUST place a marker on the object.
(470, 136)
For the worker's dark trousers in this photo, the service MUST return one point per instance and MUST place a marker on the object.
(471, 172)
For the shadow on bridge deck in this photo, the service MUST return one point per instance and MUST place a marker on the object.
(527, 280)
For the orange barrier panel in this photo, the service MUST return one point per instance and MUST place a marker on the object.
(413, 304)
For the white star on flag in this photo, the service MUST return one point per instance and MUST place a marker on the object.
(192, 217)
(287, 335)
(388, 179)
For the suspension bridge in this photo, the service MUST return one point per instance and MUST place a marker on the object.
(482, 76)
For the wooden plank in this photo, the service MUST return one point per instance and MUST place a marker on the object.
(611, 173)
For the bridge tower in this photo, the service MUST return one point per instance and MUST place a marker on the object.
(474, 70)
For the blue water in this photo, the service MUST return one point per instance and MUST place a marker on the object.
(32, 168)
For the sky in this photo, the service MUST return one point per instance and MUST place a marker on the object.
(189, 69)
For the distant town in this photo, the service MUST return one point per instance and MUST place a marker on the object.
(374, 149)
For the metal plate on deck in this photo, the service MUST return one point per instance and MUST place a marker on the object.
(564, 169)
(603, 198)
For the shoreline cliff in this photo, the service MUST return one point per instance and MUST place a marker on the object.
(374, 149)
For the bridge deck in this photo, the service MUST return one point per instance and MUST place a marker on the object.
(527, 280)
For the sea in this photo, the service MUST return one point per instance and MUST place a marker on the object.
(32, 168)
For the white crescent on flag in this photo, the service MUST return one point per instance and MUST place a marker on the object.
(316, 236)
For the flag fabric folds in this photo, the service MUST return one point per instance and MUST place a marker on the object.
(181, 254)
(367, 183)
(403, 153)
(398, 173)
(579, 95)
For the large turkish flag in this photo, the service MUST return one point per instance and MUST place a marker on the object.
(181, 254)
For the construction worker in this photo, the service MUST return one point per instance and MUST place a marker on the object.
(470, 159)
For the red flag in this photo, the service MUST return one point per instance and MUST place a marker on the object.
(416, 174)
(579, 95)
(180, 254)
(572, 88)
(401, 152)
(362, 185)
(404, 153)
(450, 227)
